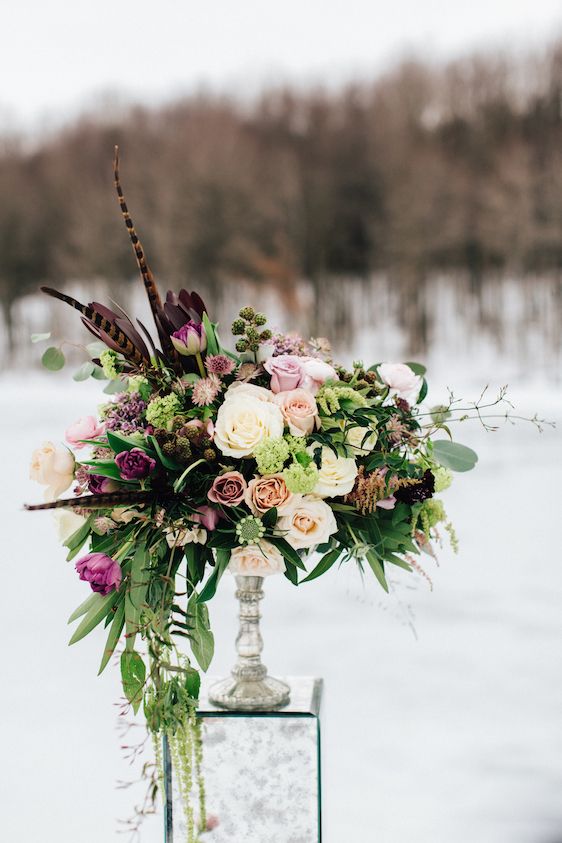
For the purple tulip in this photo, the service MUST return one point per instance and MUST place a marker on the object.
(134, 464)
(98, 485)
(190, 339)
(101, 571)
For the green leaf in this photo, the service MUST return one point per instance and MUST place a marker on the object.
(114, 635)
(210, 587)
(133, 676)
(119, 443)
(291, 572)
(423, 392)
(40, 337)
(95, 615)
(324, 565)
(202, 639)
(192, 682)
(114, 386)
(53, 359)
(212, 344)
(440, 413)
(377, 569)
(269, 519)
(288, 552)
(396, 560)
(135, 595)
(96, 348)
(417, 368)
(107, 469)
(166, 461)
(79, 536)
(84, 371)
(455, 456)
(84, 607)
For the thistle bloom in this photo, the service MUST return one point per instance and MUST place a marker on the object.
(190, 339)
(219, 364)
(101, 571)
(205, 391)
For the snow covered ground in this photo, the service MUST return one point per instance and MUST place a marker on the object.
(453, 735)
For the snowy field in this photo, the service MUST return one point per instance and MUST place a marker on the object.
(449, 735)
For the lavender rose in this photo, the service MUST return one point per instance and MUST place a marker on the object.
(286, 372)
(101, 571)
(134, 464)
(228, 489)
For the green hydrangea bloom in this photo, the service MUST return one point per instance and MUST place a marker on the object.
(161, 411)
(299, 479)
(138, 383)
(271, 455)
(295, 443)
(329, 396)
(108, 360)
(432, 512)
(443, 478)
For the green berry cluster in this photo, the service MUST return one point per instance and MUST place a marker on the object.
(248, 327)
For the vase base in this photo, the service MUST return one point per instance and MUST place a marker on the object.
(241, 694)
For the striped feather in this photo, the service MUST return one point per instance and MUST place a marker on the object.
(103, 501)
(126, 347)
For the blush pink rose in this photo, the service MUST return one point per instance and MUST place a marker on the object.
(86, 427)
(315, 373)
(206, 516)
(286, 372)
(401, 380)
(299, 411)
(264, 493)
(228, 489)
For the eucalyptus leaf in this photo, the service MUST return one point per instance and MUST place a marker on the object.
(453, 455)
(40, 337)
(53, 359)
(114, 386)
(84, 372)
(98, 373)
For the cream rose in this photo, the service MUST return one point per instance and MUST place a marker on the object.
(336, 475)
(256, 560)
(53, 467)
(264, 493)
(361, 439)
(67, 523)
(242, 423)
(310, 522)
(299, 411)
(250, 390)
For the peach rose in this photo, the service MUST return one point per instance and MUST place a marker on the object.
(256, 560)
(264, 493)
(299, 411)
(53, 467)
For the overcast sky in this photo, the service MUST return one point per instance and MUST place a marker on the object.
(57, 55)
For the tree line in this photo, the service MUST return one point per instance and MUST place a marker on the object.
(428, 168)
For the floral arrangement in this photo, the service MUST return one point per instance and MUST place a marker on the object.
(269, 458)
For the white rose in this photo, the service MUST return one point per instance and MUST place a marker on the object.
(242, 423)
(53, 467)
(310, 522)
(256, 560)
(402, 381)
(67, 523)
(250, 390)
(336, 476)
(316, 372)
(361, 439)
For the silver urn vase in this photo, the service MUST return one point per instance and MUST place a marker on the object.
(249, 688)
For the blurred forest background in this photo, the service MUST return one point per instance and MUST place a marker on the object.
(433, 180)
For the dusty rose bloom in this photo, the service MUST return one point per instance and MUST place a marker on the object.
(264, 493)
(228, 489)
(286, 372)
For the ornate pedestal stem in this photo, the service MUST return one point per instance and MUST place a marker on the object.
(249, 688)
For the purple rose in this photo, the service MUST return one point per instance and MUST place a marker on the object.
(286, 372)
(134, 464)
(190, 339)
(98, 485)
(101, 571)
